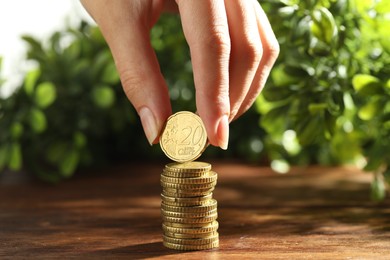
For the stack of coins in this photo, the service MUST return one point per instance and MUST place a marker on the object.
(188, 210)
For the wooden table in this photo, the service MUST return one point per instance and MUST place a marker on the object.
(312, 213)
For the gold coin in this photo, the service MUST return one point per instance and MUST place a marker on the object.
(199, 235)
(206, 219)
(207, 228)
(183, 174)
(193, 201)
(186, 204)
(187, 169)
(184, 225)
(209, 205)
(184, 137)
(197, 186)
(191, 247)
(166, 198)
(187, 215)
(207, 178)
(191, 241)
(186, 193)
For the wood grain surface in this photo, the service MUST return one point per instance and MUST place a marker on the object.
(311, 213)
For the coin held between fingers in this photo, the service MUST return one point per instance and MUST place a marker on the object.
(184, 137)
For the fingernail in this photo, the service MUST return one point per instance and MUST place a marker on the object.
(223, 132)
(149, 124)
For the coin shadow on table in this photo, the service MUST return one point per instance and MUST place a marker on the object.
(140, 251)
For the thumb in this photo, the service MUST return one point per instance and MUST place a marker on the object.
(143, 83)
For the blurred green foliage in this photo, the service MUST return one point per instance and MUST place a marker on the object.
(327, 99)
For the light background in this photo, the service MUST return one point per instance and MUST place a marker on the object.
(37, 18)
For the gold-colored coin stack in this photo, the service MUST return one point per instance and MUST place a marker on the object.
(188, 210)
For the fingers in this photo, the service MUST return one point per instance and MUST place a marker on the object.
(127, 34)
(206, 29)
(246, 51)
(270, 53)
(233, 49)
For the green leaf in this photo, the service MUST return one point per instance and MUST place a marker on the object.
(56, 151)
(110, 74)
(4, 155)
(362, 6)
(290, 142)
(287, 11)
(79, 139)
(15, 157)
(35, 45)
(69, 163)
(386, 125)
(100, 62)
(96, 35)
(374, 154)
(103, 96)
(382, 32)
(323, 26)
(45, 94)
(335, 103)
(302, 28)
(330, 123)
(318, 48)
(371, 109)
(281, 78)
(310, 129)
(325, 3)
(31, 80)
(367, 85)
(37, 120)
(386, 121)
(345, 146)
(275, 94)
(382, 7)
(297, 70)
(280, 166)
(73, 51)
(348, 101)
(317, 108)
(81, 66)
(275, 121)
(387, 85)
(378, 189)
(16, 130)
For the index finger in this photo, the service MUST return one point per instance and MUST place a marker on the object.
(206, 29)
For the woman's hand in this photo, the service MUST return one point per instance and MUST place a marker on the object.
(233, 49)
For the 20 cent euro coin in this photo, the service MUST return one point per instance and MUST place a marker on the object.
(184, 137)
